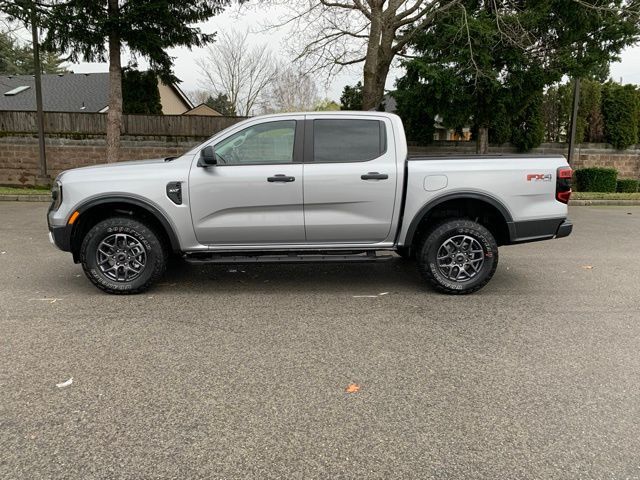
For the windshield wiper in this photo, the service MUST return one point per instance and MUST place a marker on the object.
(168, 159)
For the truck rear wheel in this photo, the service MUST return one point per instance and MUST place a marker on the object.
(121, 255)
(458, 257)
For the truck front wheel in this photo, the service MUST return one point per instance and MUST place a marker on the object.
(458, 257)
(121, 255)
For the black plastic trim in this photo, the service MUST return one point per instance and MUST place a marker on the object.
(62, 237)
(534, 230)
(565, 229)
(174, 192)
(413, 226)
(173, 239)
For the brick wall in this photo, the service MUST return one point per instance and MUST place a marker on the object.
(19, 164)
(626, 162)
(19, 154)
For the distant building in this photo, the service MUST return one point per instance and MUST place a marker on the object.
(77, 92)
(203, 109)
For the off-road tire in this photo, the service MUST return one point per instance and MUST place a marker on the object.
(156, 255)
(437, 236)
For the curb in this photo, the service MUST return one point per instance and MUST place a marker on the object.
(25, 198)
(611, 203)
(572, 203)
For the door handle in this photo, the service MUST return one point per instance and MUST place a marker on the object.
(281, 178)
(374, 176)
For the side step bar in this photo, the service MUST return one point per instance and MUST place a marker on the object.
(202, 258)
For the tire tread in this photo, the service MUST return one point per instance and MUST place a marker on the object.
(434, 233)
(158, 269)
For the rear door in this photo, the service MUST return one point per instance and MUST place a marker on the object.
(350, 177)
(254, 194)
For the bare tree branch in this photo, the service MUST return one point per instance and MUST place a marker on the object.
(233, 68)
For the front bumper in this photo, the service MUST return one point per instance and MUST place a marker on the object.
(61, 237)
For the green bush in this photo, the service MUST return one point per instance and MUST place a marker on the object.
(627, 185)
(596, 179)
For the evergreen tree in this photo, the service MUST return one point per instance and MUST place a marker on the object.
(98, 29)
(485, 62)
(620, 110)
(351, 98)
(17, 59)
(222, 105)
(140, 94)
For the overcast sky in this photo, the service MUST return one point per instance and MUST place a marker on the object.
(628, 69)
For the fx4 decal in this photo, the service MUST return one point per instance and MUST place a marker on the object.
(539, 177)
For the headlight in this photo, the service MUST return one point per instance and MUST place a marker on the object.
(56, 194)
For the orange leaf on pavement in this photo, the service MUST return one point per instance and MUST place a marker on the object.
(353, 388)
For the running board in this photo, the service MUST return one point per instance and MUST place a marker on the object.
(202, 258)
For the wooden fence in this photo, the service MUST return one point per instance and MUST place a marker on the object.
(96, 124)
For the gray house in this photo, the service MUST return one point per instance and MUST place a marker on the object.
(77, 92)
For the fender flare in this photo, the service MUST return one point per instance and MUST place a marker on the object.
(151, 209)
(424, 211)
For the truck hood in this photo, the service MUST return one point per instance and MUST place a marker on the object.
(123, 164)
(106, 168)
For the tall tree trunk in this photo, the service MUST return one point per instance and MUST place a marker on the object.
(378, 60)
(370, 95)
(482, 142)
(114, 114)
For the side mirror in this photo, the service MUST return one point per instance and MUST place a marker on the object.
(207, 157)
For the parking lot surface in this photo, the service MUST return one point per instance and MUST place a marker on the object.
(240, 372)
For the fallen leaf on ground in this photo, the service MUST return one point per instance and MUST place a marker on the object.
(65, 384)
(353, 388)
(50, 300)
(588, 267)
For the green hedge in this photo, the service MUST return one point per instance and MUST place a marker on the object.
(596, 179)
(620, 112)
(627, 185)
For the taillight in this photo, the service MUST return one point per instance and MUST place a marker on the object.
(563, 184)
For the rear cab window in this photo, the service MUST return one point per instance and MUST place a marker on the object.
(348, 140)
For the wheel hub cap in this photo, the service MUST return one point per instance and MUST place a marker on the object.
(121, 257)
(460, 258)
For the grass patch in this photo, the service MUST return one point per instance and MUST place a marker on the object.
(604, 196)
(24, 191)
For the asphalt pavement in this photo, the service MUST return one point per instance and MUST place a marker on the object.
(239, 372)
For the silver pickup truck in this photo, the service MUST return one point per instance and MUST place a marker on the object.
(308, 187)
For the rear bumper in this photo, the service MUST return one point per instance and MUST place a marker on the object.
(565, 229)
(536, 230)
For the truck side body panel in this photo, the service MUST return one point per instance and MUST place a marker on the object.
(522, 186)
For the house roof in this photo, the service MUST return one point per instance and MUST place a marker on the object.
(70, 92)
(203, 109)
(182, 95)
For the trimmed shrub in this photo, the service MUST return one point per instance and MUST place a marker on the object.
(596, 179)
(620, 111)
(627, 185)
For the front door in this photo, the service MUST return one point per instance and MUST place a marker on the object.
(254, 193)
(349, 180)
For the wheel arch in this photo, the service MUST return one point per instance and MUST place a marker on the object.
(502, 225)
(94, 210)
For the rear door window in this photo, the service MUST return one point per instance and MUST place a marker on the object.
(336, 141)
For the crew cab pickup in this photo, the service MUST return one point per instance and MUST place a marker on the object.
(308, 187)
